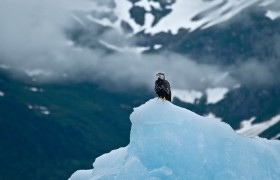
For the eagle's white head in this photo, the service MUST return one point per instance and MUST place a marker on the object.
(160, 75)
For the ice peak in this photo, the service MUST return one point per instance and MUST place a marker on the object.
(169, 142)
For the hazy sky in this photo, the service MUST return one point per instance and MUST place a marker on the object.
(32, 37)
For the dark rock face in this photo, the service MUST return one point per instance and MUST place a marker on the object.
(138, 14)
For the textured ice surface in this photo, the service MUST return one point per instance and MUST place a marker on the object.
(169, 142)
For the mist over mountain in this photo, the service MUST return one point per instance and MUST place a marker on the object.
(86, 41)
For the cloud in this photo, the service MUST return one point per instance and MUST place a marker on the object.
(140, 70)
(274, 5)
(254, 72)
(32, 38)
(32, 31)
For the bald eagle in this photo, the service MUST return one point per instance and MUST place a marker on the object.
(162, 87)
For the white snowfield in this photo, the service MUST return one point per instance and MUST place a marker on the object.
(169, 142)
(188, 96)
(185, 14)
(214, 95)
(273, 14)
(251, 130)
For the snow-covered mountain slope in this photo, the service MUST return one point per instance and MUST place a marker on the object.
(154, 17)
(252, 130)
(168, 142)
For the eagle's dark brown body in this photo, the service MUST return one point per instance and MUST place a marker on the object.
(162, 88)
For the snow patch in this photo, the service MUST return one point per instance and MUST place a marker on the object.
(188, 96)
(122, 11)
(272, 14)
(213, 117)
(215, 95)
(187, 14)
(34, 89)
(148, 4)
(157, 46)
(42, 109)
(276, 137)
(212, 13)
(37, 72)
(145, 4)
(126, 49)
(155, 4)
(251, 130)
(233, 7)
(46, 112)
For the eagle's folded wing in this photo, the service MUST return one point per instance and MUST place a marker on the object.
(167, 87)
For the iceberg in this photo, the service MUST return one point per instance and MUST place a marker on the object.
(169, 142)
